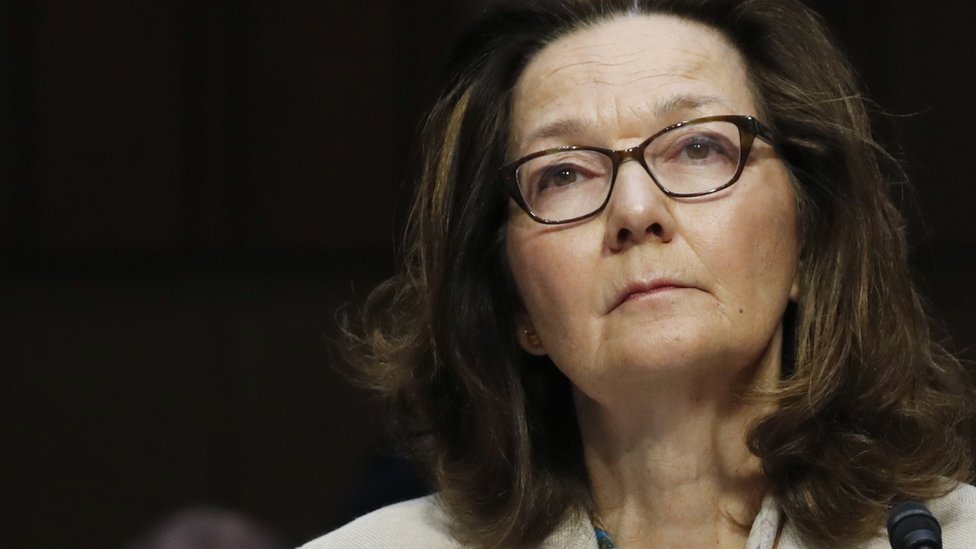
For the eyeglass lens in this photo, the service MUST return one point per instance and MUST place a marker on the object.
(686, 160)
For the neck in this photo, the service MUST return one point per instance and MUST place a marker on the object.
(672, 468)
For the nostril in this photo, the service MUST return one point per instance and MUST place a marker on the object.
(623, 235)
(655, 229)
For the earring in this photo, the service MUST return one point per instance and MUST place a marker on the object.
(532, 337)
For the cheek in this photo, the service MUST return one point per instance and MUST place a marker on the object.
(767, 247)
(749, 242)
(549, 269)
(531, 264)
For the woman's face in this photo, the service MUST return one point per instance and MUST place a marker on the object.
(651, 285)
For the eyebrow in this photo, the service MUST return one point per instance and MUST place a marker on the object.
(574, 125)
(676, 103)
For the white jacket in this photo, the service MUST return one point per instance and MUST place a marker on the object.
(421, 524)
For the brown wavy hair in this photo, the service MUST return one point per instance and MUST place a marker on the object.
(870, 410)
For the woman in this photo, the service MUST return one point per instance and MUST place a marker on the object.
(689, 321)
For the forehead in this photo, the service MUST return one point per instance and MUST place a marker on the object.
(625, 78)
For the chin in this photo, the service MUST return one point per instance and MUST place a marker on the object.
(679, 359)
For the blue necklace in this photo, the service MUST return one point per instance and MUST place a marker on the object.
(603, 540)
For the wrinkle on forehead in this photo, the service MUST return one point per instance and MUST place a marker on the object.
(612, 66)
(602, 68)
(574, 125)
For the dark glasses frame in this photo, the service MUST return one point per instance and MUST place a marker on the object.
(749, 128)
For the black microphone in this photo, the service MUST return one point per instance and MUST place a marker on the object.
(912, 526)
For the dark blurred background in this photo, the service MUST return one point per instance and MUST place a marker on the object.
(189, 191)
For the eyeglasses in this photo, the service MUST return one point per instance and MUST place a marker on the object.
(688, 159)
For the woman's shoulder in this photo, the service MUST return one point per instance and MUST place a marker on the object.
(418, 523)
(422, 524)
(956, 512)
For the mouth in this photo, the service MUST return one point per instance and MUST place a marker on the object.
(647, 289)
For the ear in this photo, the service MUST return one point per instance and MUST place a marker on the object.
(528, 339)
(795, 288)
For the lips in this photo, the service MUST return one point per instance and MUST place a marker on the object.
(639, 289)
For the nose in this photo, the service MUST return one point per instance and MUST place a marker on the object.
(638, 211)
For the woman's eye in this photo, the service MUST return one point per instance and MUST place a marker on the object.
(561, 176)
(703, 148)
(698, 151)
(564, 174)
